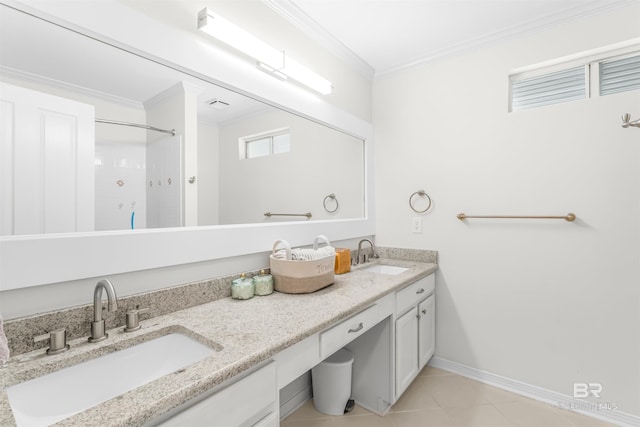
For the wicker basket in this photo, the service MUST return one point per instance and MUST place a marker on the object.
(301, 277)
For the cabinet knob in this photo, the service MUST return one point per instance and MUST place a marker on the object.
(419, 291)
(424, 311)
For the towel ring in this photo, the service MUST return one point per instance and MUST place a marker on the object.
(420, 193)
(324, 203)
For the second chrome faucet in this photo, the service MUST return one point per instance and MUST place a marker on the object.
(98, 330)
(364, 257)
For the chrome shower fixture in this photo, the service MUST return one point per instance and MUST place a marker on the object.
(626, 121)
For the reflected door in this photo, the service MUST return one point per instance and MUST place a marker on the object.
(47, 154)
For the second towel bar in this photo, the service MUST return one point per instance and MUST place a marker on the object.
(269, 214)
(568, 217)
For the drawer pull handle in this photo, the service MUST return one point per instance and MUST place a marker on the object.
(359, 328)
(421, 290)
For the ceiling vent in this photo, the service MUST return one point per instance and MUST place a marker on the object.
(217, 104)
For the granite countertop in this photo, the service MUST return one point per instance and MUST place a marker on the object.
(245, 333)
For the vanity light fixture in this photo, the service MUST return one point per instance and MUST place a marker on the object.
(270, 70)
(271, 60)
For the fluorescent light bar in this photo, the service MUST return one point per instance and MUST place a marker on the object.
(299, 72)
(223, 30)
(271, 71)
(270, 60)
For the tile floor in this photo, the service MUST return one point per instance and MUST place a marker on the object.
(437, 398)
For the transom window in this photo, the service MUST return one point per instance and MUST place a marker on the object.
(604, 73)
(265, 144)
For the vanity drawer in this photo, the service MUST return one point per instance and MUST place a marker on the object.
(414, 293)
(346, 331)
(257, 392)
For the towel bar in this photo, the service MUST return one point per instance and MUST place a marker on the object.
(269, 214)
(568, 217)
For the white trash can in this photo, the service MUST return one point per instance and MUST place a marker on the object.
(331, 381)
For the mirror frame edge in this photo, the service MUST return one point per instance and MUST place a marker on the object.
(65, 257)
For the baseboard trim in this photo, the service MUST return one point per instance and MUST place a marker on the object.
(290, 406)
(619, 418)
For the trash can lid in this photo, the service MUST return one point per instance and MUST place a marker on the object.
(342, 356)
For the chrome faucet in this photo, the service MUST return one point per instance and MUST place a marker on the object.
(97, 325)
(373, 251)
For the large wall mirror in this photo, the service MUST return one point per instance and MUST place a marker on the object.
(134, 199)
(71, 162)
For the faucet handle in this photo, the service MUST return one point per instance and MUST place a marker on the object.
(133, 319)
(57, 341)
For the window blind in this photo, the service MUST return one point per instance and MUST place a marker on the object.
(551, 88)
(620, 75)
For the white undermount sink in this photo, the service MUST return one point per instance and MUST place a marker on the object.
(53, 397)
(391, 270)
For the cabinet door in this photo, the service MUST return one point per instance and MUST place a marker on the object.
(426, 330)
(406, 350)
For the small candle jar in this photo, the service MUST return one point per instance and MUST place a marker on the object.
(242, 288)
(263, 283)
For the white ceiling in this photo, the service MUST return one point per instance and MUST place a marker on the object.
(376, 36)
(35, 50)
(382, 36)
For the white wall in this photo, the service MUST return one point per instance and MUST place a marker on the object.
(321, 161)
(548, 303)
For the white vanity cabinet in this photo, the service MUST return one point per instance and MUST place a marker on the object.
(251, 401)
(367, 335)
(391, 340)
(414, 331)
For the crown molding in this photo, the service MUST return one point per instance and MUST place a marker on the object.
(179, 89)
(47, 81)
(292, 13)
(515, 31)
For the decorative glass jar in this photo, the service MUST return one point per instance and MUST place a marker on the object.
(242, 288)
(263, 283)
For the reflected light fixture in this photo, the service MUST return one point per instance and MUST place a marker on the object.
(269, 59)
